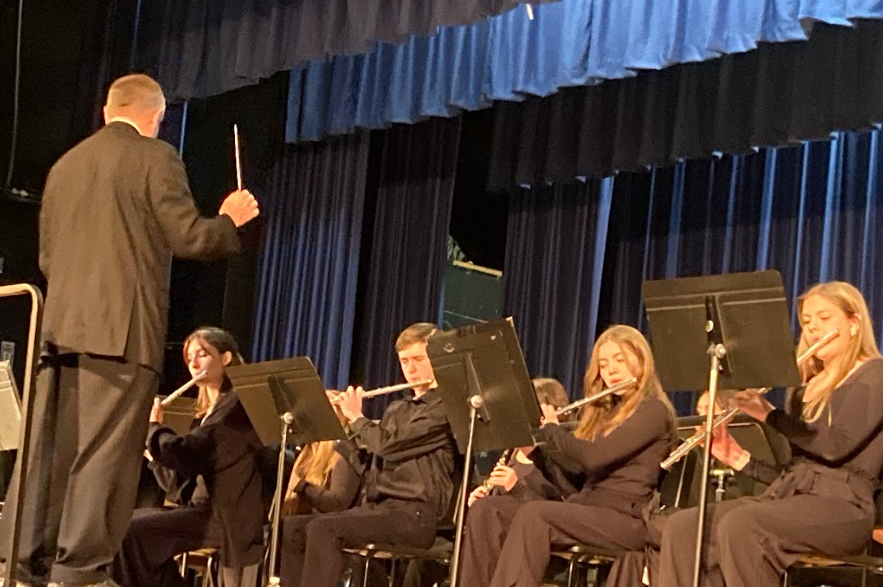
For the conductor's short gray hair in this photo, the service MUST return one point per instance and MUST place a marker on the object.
(134, 94)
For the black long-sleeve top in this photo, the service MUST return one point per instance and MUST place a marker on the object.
(532, 485)
(341, 490)
(841, 453)
(413, 453)
(619, 470)
(225, 451)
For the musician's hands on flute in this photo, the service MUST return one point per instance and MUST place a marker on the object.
(156, 413)
(550, 414)
(723, 446)
(751, 402)
(350, 403)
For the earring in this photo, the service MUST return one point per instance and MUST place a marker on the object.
(853, 331)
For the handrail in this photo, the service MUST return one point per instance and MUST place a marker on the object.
(27, 408)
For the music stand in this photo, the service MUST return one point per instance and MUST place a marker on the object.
(285, 398)
(738, 321)
(488, 396)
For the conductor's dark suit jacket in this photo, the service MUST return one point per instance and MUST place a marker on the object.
(116, 208)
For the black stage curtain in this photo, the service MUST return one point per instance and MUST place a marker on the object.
(205, 47)
(777, 94)
(404, 269)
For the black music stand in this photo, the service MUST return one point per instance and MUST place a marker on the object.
(738, 321)
(287, 392)
(488, 396)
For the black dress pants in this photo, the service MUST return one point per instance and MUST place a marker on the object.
(538, 526)
(155, 536)
(311, 544)
(752, 540)
(90, 422)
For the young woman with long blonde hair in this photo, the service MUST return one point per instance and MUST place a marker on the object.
(823, 499)
(618, 444)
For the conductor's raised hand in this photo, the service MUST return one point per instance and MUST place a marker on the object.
(350, 403)
(240, 206)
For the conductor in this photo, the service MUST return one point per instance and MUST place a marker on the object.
(116, 208)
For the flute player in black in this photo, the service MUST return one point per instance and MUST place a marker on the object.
(408, 486)
(116, 207)
(823, 499)
(617, 447)
(212, 474)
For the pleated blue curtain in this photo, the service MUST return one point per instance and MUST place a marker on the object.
(407, 259)
(810, 212)
(305, 304)
(813, 212)
(202, 48)
(552, 276)
(510, 56)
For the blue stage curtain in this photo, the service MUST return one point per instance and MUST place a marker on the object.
(201, 48)
(306, 300)
(552, 277)
(568, 43)
(409, 245)
(813, 212)
(692, 111)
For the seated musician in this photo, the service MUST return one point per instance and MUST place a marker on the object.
(618, 445)
(518, 477)
(822, 500)
(702, 405)
(213, 473)
(326, 477)
(408, 485)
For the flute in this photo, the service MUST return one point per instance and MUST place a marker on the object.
(387, 389)
(697, 439)
(175, 394)
(593, 398)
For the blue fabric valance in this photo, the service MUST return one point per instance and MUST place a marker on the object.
(511, 56)
(201, 48)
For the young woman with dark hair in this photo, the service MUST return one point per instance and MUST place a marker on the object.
(213, 473)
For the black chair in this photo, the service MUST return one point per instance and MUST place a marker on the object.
(440, 552)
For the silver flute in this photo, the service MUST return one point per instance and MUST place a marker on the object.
(698, 438)
(385, 390)
(174, 395)
(595, 397)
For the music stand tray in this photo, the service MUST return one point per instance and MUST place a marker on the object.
(489, 398)
(739, 323)
(285, 398)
